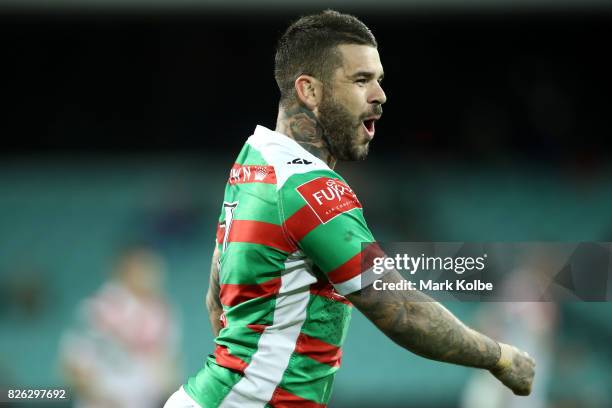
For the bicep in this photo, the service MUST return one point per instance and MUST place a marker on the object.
(213, 301)
(212, 296)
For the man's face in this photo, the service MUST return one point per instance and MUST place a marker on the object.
(351, 102)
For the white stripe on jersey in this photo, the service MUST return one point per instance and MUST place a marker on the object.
(364, 279)
(277, 342)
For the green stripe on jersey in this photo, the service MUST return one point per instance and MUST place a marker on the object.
(308, 379)
(249, 156)
(328, 320)
(246, 263)
(245, 349)
(255, 311)
(212, 384)
(352, 234)
(256, 202)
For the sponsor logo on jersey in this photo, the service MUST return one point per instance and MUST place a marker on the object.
(252, 174)
(328, 197)
(299, 161)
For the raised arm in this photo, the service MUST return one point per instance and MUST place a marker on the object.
(213, 303)
(418, 323)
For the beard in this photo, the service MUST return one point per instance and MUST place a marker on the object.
(342, 130)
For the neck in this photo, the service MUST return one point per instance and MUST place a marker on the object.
(301, 125)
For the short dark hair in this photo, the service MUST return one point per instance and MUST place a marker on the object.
(308, 46)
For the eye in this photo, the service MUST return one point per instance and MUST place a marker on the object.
(361, 81)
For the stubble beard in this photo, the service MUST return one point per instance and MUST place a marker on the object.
(341, 130)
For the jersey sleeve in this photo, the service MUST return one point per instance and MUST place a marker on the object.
(323, 217)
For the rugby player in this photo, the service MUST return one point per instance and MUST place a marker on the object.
(286, 270)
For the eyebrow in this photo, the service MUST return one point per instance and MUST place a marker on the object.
(366, 74)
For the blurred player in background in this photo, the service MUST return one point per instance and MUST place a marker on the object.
(124, 351)
(530, 325)
(286, 270)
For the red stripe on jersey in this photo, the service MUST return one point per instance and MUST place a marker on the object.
(327, 290)
(259, 328)
(301, 223)
(240, 174)
(357, 264)
(284, 399)
(232, 294)
(258, 232)
(225, 359)
(318, 350)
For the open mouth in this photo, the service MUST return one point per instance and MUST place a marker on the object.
(368, 124)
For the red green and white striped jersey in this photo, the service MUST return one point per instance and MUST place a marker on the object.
(290, 235)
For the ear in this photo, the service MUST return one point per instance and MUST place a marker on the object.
(308, 90)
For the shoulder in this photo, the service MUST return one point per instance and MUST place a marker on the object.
(289, 160)
(303, 181)
(324, 192)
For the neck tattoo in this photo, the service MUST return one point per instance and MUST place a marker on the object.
(301, 125)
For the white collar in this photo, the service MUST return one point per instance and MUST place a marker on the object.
(273, 137)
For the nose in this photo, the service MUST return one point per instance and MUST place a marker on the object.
(377, 95)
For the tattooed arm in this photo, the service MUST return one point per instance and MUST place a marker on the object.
(418, 323)
(213, 303)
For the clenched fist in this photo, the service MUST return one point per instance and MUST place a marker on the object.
(515, 369)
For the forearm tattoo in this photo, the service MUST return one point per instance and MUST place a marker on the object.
(418, 323)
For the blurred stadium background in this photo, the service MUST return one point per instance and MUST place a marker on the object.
(121, 121)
